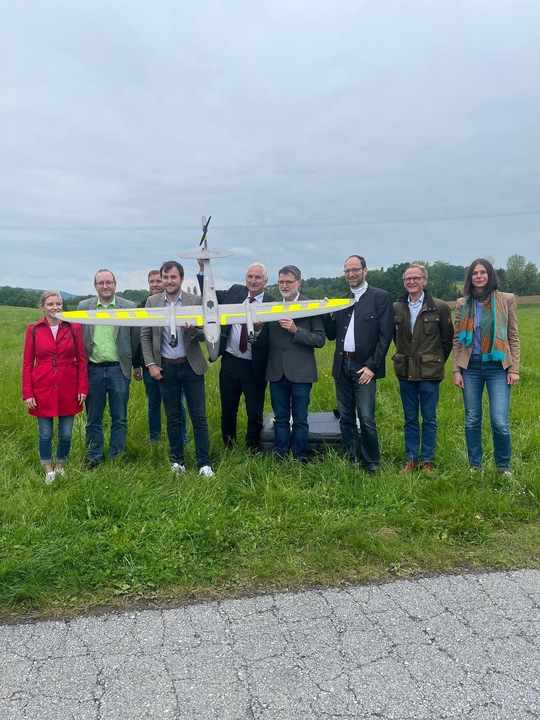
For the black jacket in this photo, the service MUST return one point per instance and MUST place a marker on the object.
(373, 330)
(260, 348)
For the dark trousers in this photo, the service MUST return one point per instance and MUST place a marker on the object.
(236, 378)
(354, 399)
(153, 395)
(178, 378)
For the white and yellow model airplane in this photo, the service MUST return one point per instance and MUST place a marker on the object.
(209, 316)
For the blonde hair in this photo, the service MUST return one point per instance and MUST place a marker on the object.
(48, 294)
(421, 267)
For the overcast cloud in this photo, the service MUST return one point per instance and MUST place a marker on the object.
(303, 127)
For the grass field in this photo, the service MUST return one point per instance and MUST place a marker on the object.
(129, 530)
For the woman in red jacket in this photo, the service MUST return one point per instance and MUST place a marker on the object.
(54, 380)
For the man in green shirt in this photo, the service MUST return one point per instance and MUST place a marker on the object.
(109, 352)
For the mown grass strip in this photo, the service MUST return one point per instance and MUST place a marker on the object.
(130, 530)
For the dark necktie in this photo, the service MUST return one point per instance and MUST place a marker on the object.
(242, 345)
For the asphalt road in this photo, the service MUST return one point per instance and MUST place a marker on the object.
(444, 647)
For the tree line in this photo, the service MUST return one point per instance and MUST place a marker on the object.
(23, 297)
(520, 276)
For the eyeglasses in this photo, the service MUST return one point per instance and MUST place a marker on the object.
(414, 279)
(287, 282)
(103, 283)
(353, 270)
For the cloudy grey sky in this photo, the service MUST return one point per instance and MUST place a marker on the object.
(309, 130)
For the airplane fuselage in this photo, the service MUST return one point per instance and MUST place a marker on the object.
(211, 324)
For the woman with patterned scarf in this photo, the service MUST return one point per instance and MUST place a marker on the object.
(486, 354)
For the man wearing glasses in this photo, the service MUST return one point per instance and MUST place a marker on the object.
(109, 351)
(363, 334)
(292, 370)
(423, 334)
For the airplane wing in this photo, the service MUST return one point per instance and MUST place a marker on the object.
(142, 317)
(273, 311)
(194, 314)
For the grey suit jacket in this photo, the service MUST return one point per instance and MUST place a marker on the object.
(126, 338)
(291, 355)
(151, 337)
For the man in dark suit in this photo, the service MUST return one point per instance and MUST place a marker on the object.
(243, 364)
(110, 351)
(292, 369)
(363, 334)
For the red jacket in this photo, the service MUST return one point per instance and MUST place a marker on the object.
(54, 369)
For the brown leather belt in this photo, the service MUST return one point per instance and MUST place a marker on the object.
(349, 354)
(174, 361)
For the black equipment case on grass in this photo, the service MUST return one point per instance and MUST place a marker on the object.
(323, 432)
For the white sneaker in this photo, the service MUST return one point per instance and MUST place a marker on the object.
(178, 469)
(49, 477)
(60, 471)
(206, 471)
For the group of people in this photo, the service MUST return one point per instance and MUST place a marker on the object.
(66, 367)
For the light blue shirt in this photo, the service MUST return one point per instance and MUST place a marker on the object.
(477, 349)
(173, 353)
(414, 309)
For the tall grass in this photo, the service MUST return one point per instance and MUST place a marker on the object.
(129, 529)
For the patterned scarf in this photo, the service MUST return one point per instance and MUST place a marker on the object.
(493, 326)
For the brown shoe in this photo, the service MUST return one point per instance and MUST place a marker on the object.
(409, 467)
(428, 467)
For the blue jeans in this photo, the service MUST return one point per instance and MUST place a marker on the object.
(493, 376)
(175, 379)
(290, 398)
(153, 395)
(45, 430)
(354, 399)
(420, 395)
(106, 383)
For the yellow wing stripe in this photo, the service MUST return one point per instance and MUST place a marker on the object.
(193, 319)
(299, 307)
(129, 314)
(138, 314)
(267, 309)
(224, 316)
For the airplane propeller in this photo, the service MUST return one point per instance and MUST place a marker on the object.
(205, 224)
(209, 315)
